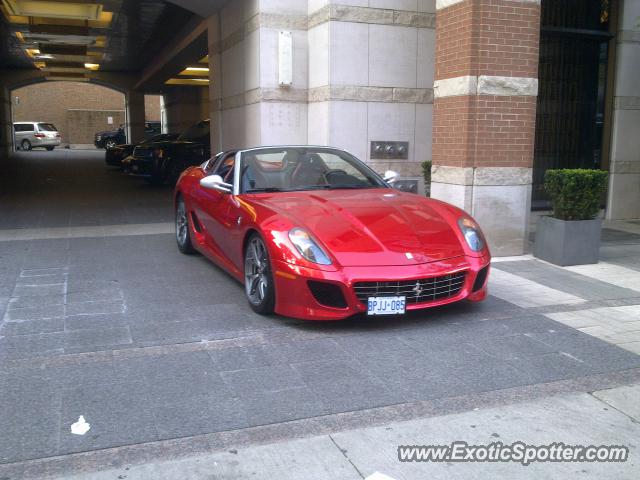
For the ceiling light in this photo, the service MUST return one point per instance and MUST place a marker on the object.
(201, 82)
(195, 72)
(92, 66)
(62, 39)
(54, 9)
(32, 52)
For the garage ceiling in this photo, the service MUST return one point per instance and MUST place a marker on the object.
(68, 39)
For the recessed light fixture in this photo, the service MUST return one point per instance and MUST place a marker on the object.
(92, 66)
(196, 69)
(54, 9)
(188, 81)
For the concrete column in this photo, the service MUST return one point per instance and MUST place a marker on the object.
(485, 93)
(6, 126)
(215, 82)
(371, 78)
(185, 106)
(624, 181)
(135, 116)
(251, 106)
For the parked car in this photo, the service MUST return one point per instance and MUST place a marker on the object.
(30, 135)
(115, 155)
(163, 162)
(314, 233)
(112, 138)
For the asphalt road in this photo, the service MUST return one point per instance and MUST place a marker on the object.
(150, 345)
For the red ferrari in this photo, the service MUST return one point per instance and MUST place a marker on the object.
(314, 233)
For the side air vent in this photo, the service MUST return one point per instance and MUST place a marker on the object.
(196, 223)
(480, 279)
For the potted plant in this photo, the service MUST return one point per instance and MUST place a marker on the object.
(571, 235)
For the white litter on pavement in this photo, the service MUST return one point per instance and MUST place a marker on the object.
(378, 476)
(80, 427)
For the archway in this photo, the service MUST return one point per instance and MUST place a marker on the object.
(77, 109)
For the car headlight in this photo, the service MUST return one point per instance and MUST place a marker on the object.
(307, 247)
(472, 234)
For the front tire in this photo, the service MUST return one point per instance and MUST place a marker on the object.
(26, 145)
(111, 143)
(183, 235)
(49, 148)
(258, 279)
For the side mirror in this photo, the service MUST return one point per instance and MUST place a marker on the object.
(215, 182)
(390, 176)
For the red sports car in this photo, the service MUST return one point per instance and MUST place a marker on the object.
(314, 233)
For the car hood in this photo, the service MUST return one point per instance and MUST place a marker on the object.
(372, 227)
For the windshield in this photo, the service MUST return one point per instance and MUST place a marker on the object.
(47, 127)
(304, 168)
(196, 133)
(159, 137)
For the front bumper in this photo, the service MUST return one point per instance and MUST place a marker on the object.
(114, 157)
(140, 167)
(295, 299)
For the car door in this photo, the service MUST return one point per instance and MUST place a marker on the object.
(214, 209)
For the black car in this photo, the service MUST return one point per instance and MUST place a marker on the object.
(111, 138)
(163, 162)
(115, 155)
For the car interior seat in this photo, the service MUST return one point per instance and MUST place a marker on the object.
(309, 171)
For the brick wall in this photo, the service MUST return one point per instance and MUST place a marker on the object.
(494, 38)
(484, 131)
(152, 107)
(488, 37)
(87, 122)
(53, 101)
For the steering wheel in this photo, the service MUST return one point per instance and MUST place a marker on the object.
(332, 172)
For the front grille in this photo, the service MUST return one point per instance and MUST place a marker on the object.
(416, 291)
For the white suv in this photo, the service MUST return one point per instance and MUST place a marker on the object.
(30, 135)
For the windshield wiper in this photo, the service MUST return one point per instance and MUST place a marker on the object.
(345, 187)
(265, 189)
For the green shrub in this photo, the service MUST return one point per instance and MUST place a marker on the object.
(426, 171)
(575, 193)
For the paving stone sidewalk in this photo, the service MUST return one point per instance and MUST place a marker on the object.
(157, 350)
(609, 417)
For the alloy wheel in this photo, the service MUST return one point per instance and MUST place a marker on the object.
(182, 224)
(256, 271)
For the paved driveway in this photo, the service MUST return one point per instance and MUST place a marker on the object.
(150, 345)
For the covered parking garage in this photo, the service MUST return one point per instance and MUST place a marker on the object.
(101, 316)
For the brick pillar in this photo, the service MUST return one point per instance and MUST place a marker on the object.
(484, 113)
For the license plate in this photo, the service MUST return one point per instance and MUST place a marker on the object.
(386, 305)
